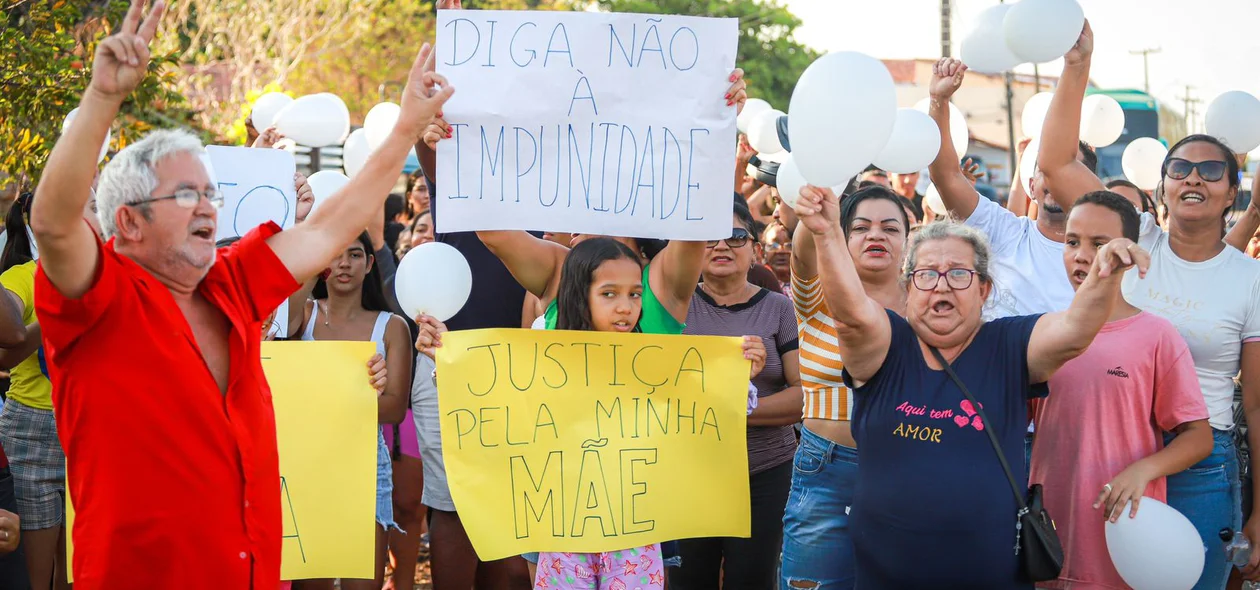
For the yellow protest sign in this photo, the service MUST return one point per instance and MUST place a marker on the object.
(326, 425)
(592, 441)
(326, 429)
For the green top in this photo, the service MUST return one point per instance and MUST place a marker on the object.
(654, 319)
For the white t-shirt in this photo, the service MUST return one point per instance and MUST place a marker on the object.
(1215, 305)
(1027, 267)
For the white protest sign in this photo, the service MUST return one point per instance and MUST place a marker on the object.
(589, 122)
(257, 187)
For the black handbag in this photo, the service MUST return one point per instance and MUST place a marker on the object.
(1036, 541)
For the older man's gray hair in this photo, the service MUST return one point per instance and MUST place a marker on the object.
(130, 176)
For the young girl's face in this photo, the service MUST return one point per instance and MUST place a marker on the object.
(348, 270)
(616, 295)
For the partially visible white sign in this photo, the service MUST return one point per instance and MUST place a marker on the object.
(588, 122)
(257, 187)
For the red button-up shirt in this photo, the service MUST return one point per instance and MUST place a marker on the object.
(175, 485)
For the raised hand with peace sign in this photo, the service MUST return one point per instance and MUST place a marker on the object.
(123, 58)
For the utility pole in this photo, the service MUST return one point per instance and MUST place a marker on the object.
(1190, 110)
(1146, 65)
(946, 14)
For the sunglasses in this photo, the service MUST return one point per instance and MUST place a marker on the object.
(739, 237)
(1209, 171)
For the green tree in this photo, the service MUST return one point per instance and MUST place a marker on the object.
(772, 60)
(46, 49)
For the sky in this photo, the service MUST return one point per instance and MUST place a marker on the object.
(1213, 45)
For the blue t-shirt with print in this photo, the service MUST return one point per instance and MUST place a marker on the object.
(933, 507)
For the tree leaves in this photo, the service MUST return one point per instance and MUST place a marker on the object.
(47, 50)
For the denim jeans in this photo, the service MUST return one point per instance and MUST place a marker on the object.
(816, 543)
(1210, 495)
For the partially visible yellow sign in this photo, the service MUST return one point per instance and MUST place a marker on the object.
(326, 429)
(591, 441)
(326, 425)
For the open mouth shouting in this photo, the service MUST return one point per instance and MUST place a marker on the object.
(876, 251)
(622, 326)
(942, 307)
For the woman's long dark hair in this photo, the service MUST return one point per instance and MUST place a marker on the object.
(17, 247)
(848, 207)
(573, 306)
(373, 298)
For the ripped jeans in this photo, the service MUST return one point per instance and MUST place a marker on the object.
(817, 548)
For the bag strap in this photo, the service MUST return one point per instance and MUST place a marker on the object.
(997, 447)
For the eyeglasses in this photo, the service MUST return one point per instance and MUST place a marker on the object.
(739, 237)
(1209, 171)
(926, 279)
(779, 247)
(188, 198)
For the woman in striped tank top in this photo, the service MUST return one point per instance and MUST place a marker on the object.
(816, 543)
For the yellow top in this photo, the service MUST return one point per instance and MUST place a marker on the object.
(27, 383)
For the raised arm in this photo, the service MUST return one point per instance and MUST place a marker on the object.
(1017, 199)
(307, 248)
(674, 274)
(1063, 336)
(861, 322)
(67, 246)
(1066, 178)
(958, 194)
(535, 262)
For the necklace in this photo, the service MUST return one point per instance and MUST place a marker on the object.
(326, 315)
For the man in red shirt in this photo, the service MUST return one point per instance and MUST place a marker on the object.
(162, 406)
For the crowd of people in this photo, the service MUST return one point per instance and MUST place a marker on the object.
(1102, 340)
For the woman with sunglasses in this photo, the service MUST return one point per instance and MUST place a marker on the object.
(727, 304)
(933, 506)
(1211, 292)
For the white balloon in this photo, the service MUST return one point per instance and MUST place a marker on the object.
(379, 122)
(1159, 549)
(752, 108)
(1034, 114)
(1143, 161)
(763, 132)
(841, 116)
(109, 136)
(788, 181)
(1102, 120)
(915, 141)
(959, 134)
(324, 183)
(1039, 31)
(1028, 164)
(315, 120)
(266, 107)
(1234, 117)
(355, 152)
(984, 47)
(345, 112)
(433, 279)
(932, 198)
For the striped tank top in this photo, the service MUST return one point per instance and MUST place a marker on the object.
(826, 397)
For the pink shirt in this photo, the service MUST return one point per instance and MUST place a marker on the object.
(1107, 409)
